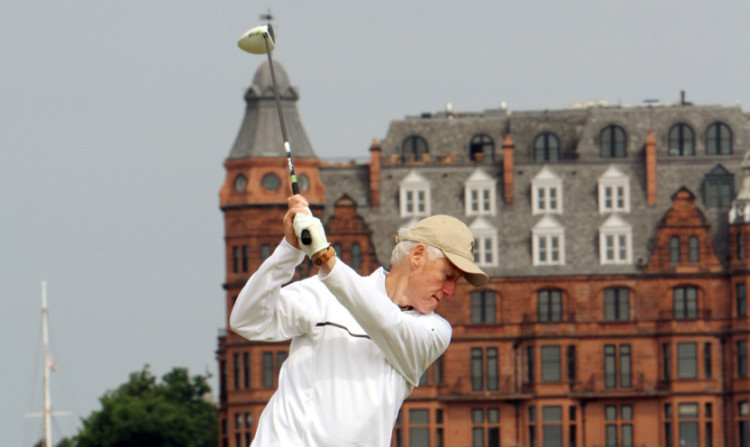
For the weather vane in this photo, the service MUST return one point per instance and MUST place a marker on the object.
(267, 17)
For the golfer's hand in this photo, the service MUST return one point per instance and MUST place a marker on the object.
(297, 204)
(304, 221)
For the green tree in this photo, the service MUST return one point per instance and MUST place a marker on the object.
(65, 442)
(142, 412)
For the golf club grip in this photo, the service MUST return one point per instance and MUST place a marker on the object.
(305, 237)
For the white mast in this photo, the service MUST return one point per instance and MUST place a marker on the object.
(47, 397)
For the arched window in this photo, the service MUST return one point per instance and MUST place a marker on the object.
(674, 249)
(356, 256)
(718, 139)
(414, 148)
(685, 302)
(549, 305)
(546, 147)
(483, 307)
(693, 252)
(482, 144)
(681, 140)
(612, 142)
(616, 304)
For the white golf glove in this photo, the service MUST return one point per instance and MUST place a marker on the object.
(312, 224)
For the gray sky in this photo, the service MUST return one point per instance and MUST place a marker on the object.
(117, 115)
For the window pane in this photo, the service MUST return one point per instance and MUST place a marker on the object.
(476, 369)
(477, 416)
(611, 435)
(688, 432)
(623, 304)
(744, 429)
(609, 305)
(477, 439)
(419, 437)
(543, 305)
(552, 436)
(610, 372)
(492, 379)
(556, 305)
(627, 435)
(625, 366)
(626, 412)
(687, 364)
(741, 300)
(267, 370)
(552, 414)
(610, 413)
(693, 254)
(687, 410)
(493, 415)
(550, 364)
(674, 249)
(419, 417)
(476, 307)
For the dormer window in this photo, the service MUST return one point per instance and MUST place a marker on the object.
(719, 188)
(718, 139)
(612, 142)
(414, 196)
(546, 147)
(615, 241)
(479, 194)
(546, 193)
(681, 140)
(414, 148)
(482, 148)
(485, 242)
(614, 191)
(548, 239)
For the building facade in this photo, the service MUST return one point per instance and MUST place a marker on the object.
(616, 239)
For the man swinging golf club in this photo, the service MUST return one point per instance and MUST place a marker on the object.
(359, 344)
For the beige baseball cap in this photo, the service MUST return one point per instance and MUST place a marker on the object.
(453, 238)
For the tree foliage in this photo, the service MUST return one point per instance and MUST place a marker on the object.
(142, 412)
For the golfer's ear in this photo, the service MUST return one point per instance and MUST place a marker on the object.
(417, 255)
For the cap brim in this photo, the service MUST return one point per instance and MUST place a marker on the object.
(473, 274)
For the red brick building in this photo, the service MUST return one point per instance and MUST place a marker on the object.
(616, 239)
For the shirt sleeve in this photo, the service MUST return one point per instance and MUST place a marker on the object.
(266, 311)
(410, 342)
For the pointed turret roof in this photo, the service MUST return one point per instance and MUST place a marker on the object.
(260, 133)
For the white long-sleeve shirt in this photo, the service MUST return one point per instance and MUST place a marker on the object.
(354, 357)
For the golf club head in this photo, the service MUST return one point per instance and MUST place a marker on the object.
(253, 41)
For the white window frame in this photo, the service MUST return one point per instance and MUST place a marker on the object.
(614, 187)
(486, 252)
(480, 195)
(616, 237)
(413, 192)
(548, 236)
(544, 186)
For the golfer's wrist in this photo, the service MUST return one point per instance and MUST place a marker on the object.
(322, 256)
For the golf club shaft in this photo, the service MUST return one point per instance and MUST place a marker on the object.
(305, 236)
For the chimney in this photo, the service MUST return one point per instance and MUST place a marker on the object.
(508, 169)
(650, 168)
(375, 153)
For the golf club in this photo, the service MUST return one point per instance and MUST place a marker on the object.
(259, 40)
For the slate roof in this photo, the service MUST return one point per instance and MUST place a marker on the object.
(579, 168)
(260, 132)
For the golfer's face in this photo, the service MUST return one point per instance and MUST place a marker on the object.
(433, 281)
